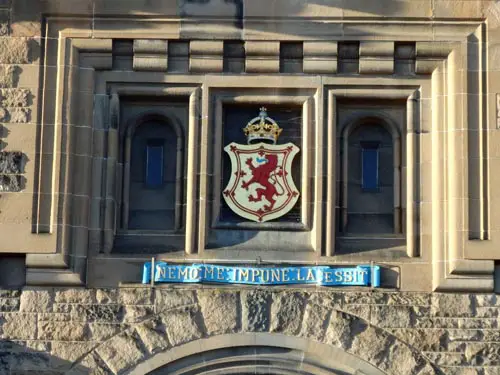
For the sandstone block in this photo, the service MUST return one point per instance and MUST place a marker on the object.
(135, 296)
(15, 97)
(153, 335)
(14, 51)
(10, 293)
(372, 345)
(120, 353)
(100, 313)
(166, 299)
(424, 339)
(182, 325)
(62, 331)
(315, 321)
(7, 76)
(75, 295)
(134, 314)
(102, 331)
(411, 299)
(452, 305)
(391, 316)
(9, 304)
(220, 310)
(256, 308)
(29, 362)
(366, 298)
(286, 312)
(107, 295)
(64, 353)
(342, 328)
(400, 360)
(15, 326)
(36, 300)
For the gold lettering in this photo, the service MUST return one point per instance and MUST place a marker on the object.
(243, 275)
(255, 272)
(183, 273)
(298, 275)
(171, 274)
(275, 275)
(265, 275)
(284, 275)
(220, 274)
(310, 275)
(328, 276)
(194, 273)
(338, 276)
(161, 270)
(209, 272)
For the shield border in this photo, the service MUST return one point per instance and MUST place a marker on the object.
(234, 180)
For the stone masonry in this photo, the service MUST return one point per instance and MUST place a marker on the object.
(56, 331)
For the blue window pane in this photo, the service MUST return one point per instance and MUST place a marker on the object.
(369, 179)
(154, 166)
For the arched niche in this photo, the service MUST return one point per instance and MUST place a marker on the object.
(381, 136)
(152, 204)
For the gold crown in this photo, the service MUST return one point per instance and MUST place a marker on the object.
(262, 129)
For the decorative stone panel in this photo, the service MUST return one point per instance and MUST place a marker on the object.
(376, 57)
(262, 57)
(320, 57)
(206, 56)
(150, 54)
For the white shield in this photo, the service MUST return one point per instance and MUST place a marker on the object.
(261, 187)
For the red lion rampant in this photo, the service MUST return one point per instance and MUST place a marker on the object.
(264, 175)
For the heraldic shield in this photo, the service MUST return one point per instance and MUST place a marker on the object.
(261, 187)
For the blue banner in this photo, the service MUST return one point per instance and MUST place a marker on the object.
(210, 273)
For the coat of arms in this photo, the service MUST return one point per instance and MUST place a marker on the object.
(261, 186)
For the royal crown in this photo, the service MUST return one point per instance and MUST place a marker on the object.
(262, 129)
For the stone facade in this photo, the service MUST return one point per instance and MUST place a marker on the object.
(111, 331)
(77, 75)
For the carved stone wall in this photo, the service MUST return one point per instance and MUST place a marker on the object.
(113, 331)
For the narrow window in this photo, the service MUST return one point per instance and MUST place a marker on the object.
(154, 164)
(348, 62)
(369, 166)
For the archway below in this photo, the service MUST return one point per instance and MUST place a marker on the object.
(255, 353)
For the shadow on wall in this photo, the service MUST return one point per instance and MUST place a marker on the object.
(19, 359)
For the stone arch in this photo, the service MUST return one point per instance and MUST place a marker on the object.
(204, 320)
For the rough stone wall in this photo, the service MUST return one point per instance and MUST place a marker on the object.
(110, 331)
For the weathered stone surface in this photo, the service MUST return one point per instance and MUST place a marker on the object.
(372, 345)
(135, 296)
(256, 308)
(36, 300)
(466, 334)
(423, 339)
(411, 299)
(106, 295)
(62, 331)
(99, 313)
(10, 183)
(10, 293)
(483, 354)
(135, 314)
(452, 305)
(14, 50)
(286, 312)
(315, 321)
(9, 304)
(182, 325)
(120, 353)
(19, 115)
(153, 335)
(7, 76)
(29, 361)
(11, 162)
(74, 295)
(447, 359)
(361, 311)
(391, 316)
(101, 331)
(400, 360)
(15, 98)
(166, 299)
(342, 329)
(366, 298)
(91, 364)
(65, 353)
(486, 300)
(220, 310)
(15, 326)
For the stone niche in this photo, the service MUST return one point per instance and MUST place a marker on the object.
(443, 217)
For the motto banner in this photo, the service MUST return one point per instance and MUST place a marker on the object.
(362, 275)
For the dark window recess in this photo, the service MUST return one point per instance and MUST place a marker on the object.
(404, 58)
(369, 166)
(348, 57)
(178, 56)
(154, 164)
(234, 56)
(291, 57)
(123, 54)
